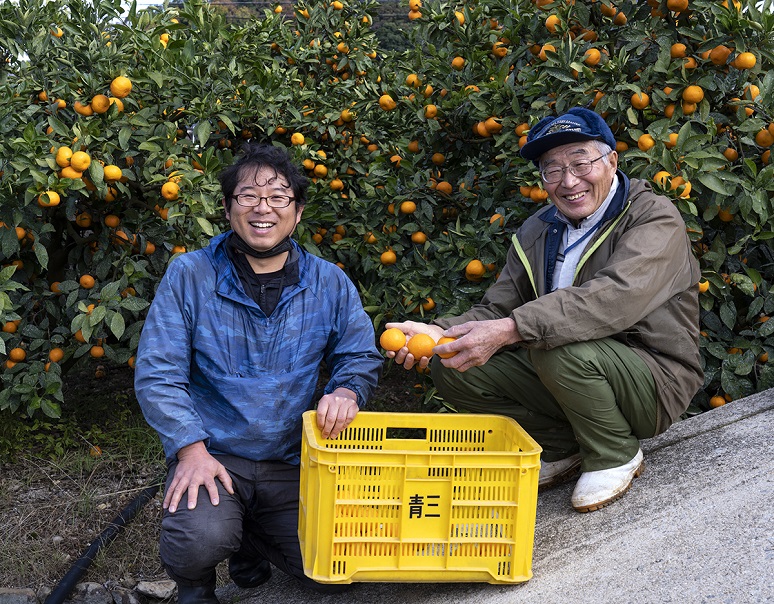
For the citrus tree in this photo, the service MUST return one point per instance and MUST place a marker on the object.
(117, 122)
(687, 89)
(110, 169)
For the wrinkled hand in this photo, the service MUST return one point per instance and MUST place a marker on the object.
(335, 411)
(196, 467)
(477, 341)
(412, 328)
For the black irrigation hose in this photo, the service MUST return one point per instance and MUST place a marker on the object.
(68, 582)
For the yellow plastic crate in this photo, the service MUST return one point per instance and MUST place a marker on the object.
(414, 497)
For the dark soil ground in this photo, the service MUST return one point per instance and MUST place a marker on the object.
(54, 504)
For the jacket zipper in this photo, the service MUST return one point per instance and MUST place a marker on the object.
(523, 256)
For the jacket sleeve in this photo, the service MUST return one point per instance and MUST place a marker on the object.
(351, 355)
(162, 371)
(650, 262)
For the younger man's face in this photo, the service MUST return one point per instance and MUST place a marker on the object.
(262, 227)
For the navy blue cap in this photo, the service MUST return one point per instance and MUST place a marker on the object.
(577, 125)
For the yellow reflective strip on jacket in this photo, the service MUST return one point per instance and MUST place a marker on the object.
(598, 242)
(528, 267)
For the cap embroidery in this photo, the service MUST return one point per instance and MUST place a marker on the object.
(563, 126)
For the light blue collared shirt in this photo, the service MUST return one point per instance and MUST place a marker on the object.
(570, 253)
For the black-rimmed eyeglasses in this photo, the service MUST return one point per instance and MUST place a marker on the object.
(554, 174)
(247, 200)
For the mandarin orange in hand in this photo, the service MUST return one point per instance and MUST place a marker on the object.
(421, 345)
(392, 339)
(446, 340)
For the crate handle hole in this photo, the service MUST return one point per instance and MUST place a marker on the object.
(406, 433)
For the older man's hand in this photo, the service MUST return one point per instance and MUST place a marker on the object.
(477, 341)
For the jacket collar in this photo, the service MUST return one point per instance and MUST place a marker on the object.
(228, 280)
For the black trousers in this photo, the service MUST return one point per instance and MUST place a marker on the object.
(260, 520)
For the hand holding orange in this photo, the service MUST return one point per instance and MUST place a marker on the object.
(392, 339)
(421, 345)
(446, 340)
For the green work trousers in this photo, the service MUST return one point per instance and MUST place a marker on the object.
(595, 397)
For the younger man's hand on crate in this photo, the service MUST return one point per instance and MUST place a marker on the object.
(335, 412)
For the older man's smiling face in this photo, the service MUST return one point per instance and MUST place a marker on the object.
(578, 197)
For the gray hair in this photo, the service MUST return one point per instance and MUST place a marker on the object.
(603, 149)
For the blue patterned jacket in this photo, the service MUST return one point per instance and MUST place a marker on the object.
(212, 367)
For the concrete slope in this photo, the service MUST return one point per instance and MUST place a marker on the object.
(697, 526)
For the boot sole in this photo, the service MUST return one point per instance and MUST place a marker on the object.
(602, 504)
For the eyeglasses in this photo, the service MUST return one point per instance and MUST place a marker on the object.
(581, 167)
(253, 201)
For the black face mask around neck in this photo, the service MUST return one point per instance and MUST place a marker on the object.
(239, 244)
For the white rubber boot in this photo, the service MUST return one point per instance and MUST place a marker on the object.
(595, 490)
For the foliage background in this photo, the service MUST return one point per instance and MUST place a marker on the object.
(202, 84)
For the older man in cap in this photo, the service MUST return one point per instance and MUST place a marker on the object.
(589, 338)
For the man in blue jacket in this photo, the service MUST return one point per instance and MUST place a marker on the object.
(229, 359)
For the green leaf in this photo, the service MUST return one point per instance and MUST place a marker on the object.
(728, 314)
(117, 324)
(124, 135)
(765, 178)
(766, 377)
(754, 274)
(202, 132)
(227, 120)
(97, 315)
(712, 182)
(59, 127)
(755, 307)
(146, 146)
(9, 244)
(6, 272)
(32, 332)
(717, 350)
(29, 133)
(157, 77)
(745, 363)
(766, 329)
(33, 402)
(77, 322)
(41, 254)
(110, 290)
(205, 225)
(134, 304)
(559, 74)
(23, 389)
(72, 297)
(738, 387)
(743, 282)
(50, 408)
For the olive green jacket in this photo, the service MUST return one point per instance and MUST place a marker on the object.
(636, 282)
